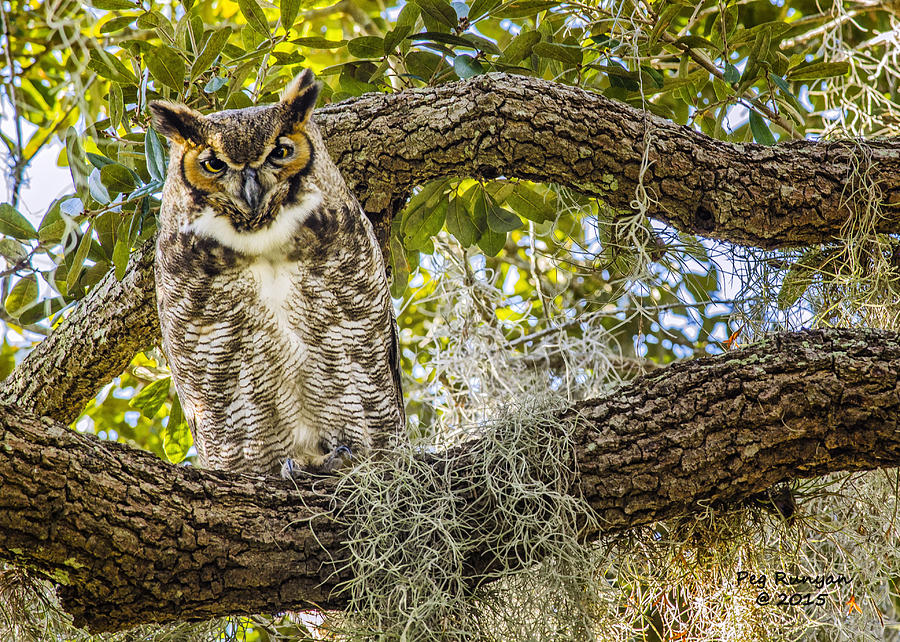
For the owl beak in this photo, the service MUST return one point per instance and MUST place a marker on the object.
(252, 189)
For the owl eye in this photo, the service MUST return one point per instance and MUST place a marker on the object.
(280, 152)
(213, 165)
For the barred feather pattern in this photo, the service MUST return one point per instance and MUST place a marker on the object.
(281, 344)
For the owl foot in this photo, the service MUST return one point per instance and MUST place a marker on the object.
(290, 470)
(338, 458)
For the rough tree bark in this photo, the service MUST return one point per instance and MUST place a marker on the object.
(499, 125)
(491, 125)
(132, 539)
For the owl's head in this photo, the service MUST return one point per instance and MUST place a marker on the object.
(244, 164)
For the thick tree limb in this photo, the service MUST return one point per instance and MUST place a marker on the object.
(91, 346)
(133, 539)
(385, 144)
(499, 125)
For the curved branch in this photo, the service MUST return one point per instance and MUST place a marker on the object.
(132, 539)
(492, 125)
(91, 346)
(792, 194)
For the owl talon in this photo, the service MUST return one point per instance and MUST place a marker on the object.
(339, 457)
(290, 470)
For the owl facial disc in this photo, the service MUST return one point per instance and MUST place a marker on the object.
(244, 164)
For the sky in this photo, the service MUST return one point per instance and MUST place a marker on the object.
(46, 181)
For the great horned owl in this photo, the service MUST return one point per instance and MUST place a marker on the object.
(272, 295)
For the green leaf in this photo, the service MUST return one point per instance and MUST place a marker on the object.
(78, 166)
(22, 296)
(440, 11)
(523, 8)
(395, 37)
(731, 75)
(520, 47)
(116, 105)
(423, 64)
(424, 215)
(110, 67)
(289, 11)
(528, 203)
(480, 7)
(117, 24)
(399, 267)
(41, 310)
(500, 219)
(467, 66)
(782, 83)
(255, 16)
(113, 5)
(52, 227)
(492, 242)
(154, 155)
(776, 30)
(154, 20)
(317, 42)
(422, 224)
(800, 276)
(74, 269)
(569, 55)
(97, 189)
(211, 50)
(215, 84)
(459, 223)
(176, 434)
(665, 17)
(761, 132)
(94, 274)
(816, 71)
(12, 251)
(650, 75)
(366, 47)
(697, 42)
(117, 178)
(151, 397)
(477, 196)
(481, 44)
(166, 67)
(13, 224)
(429, 194)
(105, 227)
(120, 257)
(408, 16)
(99, 160)
(443, 38)
(254, 42)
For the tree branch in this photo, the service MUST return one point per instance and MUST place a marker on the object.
(132, 539)
(91, 346)
(493, 125)
(499, 125)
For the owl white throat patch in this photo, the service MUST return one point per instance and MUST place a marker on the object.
(268, 241)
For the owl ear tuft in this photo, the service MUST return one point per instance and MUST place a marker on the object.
(178, 123)
(299, 99)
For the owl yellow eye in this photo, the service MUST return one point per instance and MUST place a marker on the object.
(213, 165)
(280, 152)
